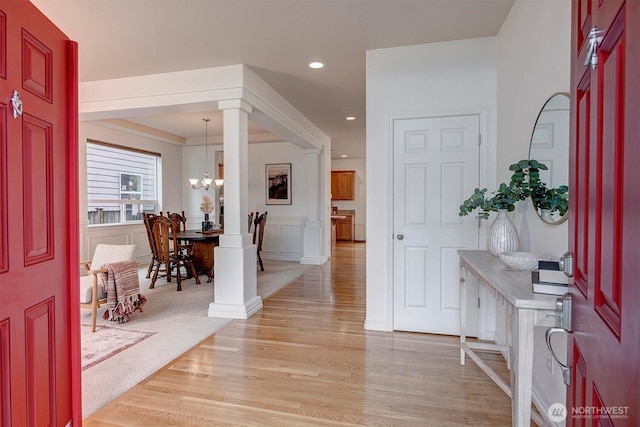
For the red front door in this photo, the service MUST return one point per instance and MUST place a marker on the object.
(39, 356)
(604, 348)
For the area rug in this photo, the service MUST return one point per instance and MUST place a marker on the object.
(107, 341)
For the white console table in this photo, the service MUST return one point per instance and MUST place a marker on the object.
(524, 310)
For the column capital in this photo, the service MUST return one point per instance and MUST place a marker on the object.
(230, 104)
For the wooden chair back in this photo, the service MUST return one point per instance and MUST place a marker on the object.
(258, 235)
(161, 228)
(179, 220)
(148, 218)
(165, 241)
(258, 230)
(250, 220)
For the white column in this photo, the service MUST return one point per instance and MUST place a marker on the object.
(312, 250)
(235, 288)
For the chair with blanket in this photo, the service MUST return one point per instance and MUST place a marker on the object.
(92, 291)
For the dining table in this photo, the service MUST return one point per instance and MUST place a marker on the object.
(203, 243)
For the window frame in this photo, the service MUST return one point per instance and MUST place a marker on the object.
(120, 204)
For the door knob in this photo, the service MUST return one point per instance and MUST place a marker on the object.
(399, 236)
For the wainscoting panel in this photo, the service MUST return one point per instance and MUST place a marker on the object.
(283, 239)
(117, 235)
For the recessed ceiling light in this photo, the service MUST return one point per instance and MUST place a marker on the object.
(350, 118)
(343, 155)
(316, 65)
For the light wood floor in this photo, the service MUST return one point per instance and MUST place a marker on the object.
(306, 360)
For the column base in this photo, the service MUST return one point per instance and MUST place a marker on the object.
(235, 283)
(235, 311)
(313, 260)
(312, 247)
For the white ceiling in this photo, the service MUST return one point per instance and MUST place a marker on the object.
(276, 38)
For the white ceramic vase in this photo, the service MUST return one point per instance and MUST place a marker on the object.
(503, 236)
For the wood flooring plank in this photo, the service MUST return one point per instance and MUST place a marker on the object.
(306, 360)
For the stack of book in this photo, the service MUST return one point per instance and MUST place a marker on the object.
(549, 279)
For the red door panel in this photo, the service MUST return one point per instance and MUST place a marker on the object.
(37, 184)
(37, 67)
(609, 149)
(4, 231)
(40, 363)
(39, 331)
(604, 349)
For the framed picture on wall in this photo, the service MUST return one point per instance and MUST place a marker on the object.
(278, 183)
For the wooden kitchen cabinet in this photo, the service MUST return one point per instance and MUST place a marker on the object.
(344, 228)
(343, 185)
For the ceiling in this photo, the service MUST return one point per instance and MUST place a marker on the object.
(276, 38)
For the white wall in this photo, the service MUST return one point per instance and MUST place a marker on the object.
(359, 204)
(510, 76)
(533, 64)
(283, 233)
(442, 78)
(194, 163)
(533, 52)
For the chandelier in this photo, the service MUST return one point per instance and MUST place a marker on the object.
(205, 182)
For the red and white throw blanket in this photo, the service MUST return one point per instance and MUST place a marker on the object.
(122, 287)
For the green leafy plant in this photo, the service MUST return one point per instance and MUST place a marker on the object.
(504, 198)
(524, 183)
(526, 175)
(551, 199)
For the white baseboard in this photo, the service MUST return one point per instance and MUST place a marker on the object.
(377, 326)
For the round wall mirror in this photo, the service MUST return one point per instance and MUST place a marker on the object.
(550, 146)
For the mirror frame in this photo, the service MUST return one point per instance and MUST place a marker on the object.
(535, 125)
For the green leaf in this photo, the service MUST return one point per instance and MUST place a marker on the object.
(524, 183)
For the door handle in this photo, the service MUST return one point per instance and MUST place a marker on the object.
(400, 236)
(563, 307)
(566, 370)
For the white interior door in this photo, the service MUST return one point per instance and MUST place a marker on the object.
(436, 166)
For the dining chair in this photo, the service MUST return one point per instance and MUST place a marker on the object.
(250, 221)
(165, 240)
(92, 295)
(179, 220)
(148, 218)
(179, 223)
(163, 269)
(258, 234)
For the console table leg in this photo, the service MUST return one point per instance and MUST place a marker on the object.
(508, 316)
(522, 367)
(463, 310)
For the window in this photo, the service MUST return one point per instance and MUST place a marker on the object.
(121, 183)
